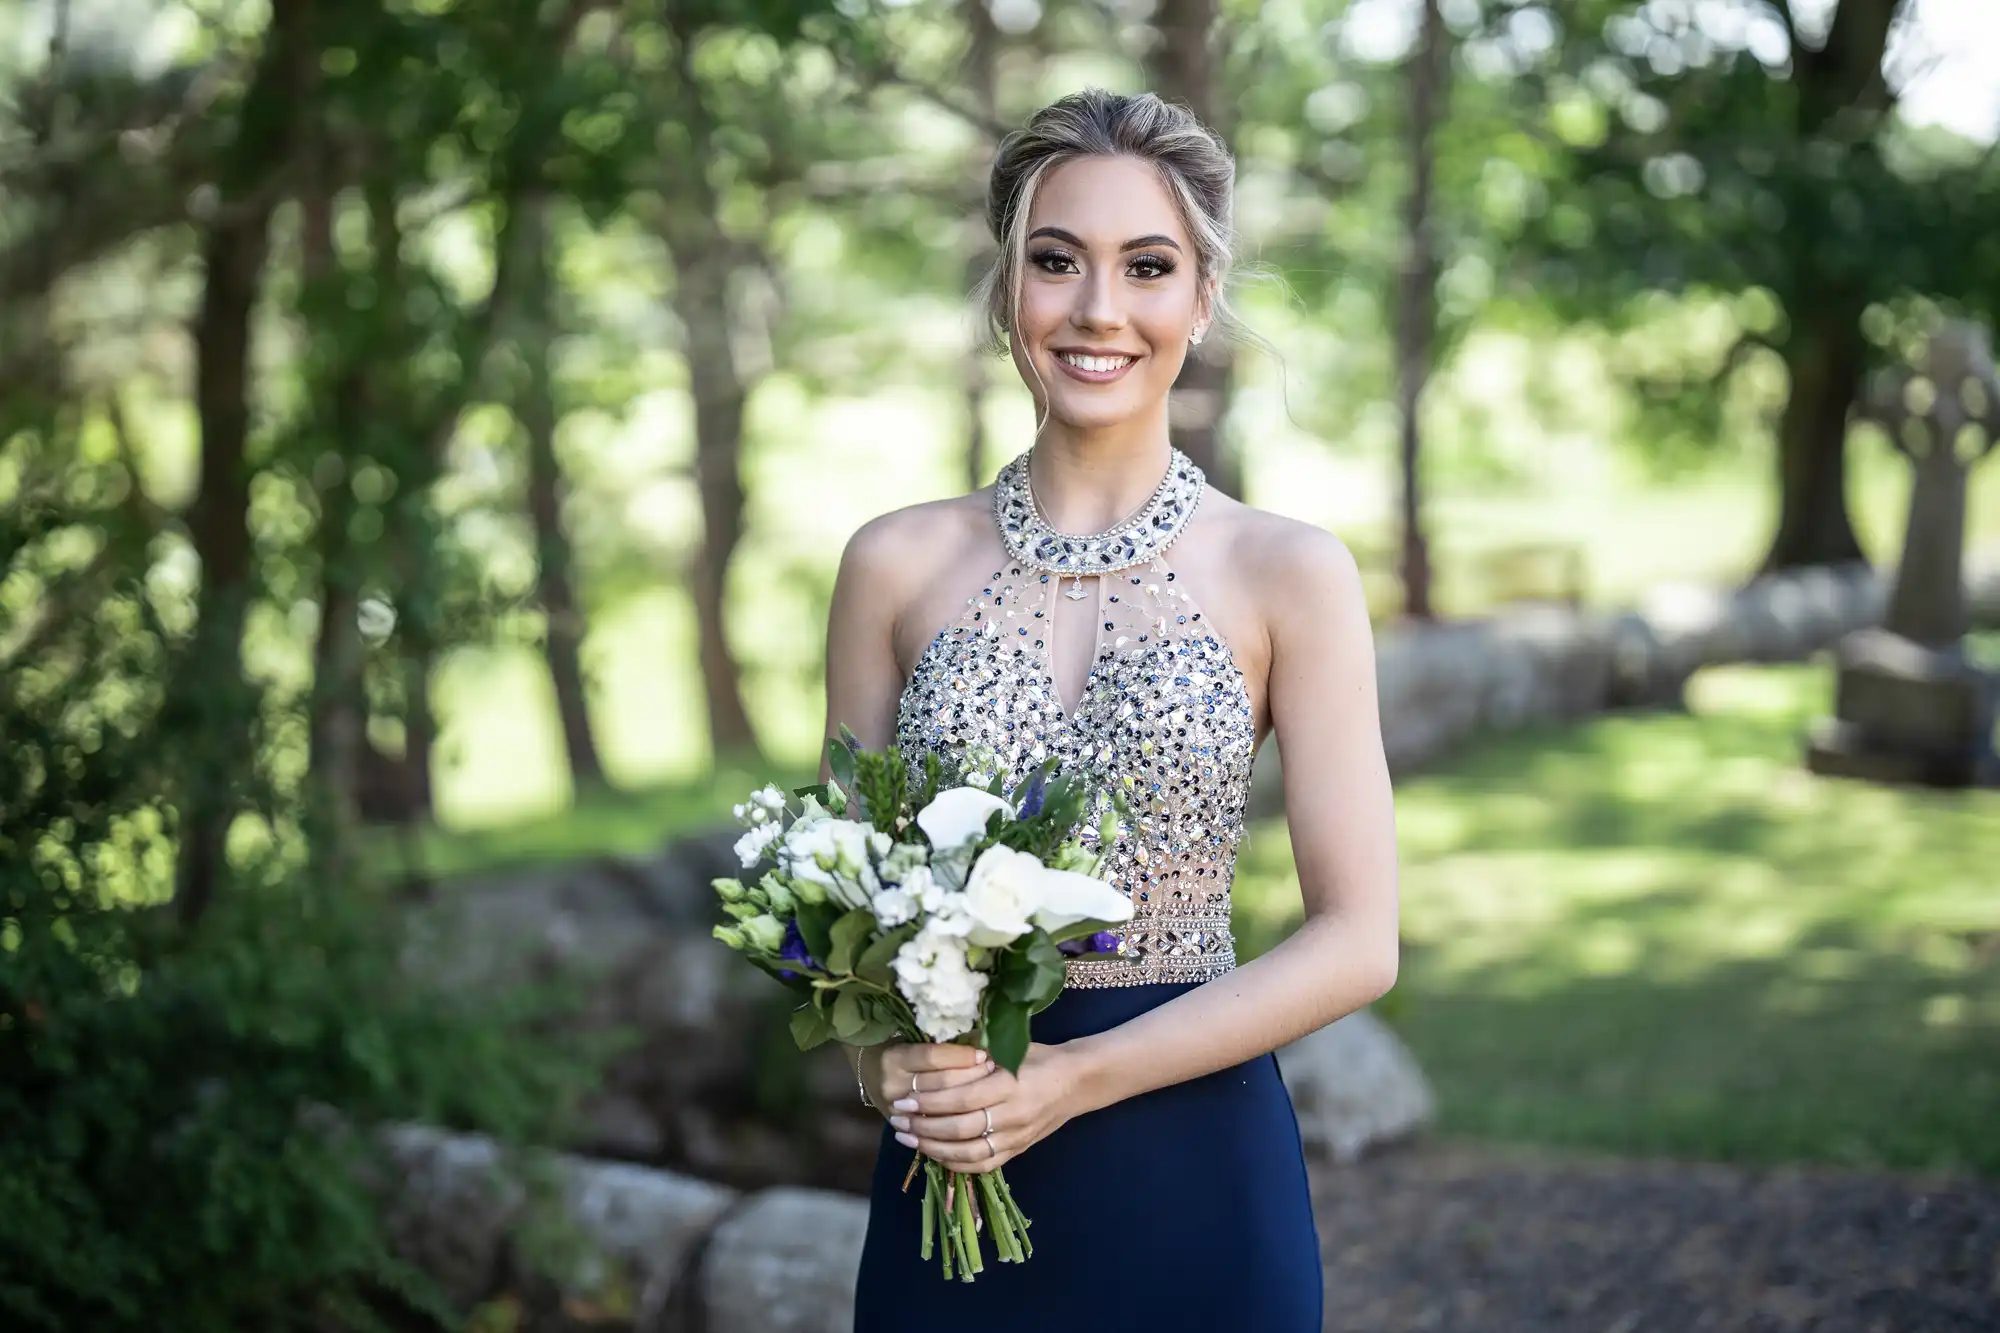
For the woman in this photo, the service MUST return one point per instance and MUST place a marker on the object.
(1147, 1134)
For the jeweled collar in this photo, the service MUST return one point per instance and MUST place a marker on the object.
(1145, 533)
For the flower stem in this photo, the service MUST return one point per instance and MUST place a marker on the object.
(968, 1238)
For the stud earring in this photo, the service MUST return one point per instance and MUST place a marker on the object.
(1194, 339)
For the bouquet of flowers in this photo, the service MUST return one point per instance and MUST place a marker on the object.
(903, 904)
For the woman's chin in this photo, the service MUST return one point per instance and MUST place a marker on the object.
(1084, 412)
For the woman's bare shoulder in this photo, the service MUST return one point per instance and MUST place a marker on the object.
(895, 550)
(1297, 564)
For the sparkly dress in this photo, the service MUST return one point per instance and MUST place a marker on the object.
(1185, 1207)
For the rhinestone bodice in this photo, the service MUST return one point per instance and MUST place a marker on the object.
(1164, 714)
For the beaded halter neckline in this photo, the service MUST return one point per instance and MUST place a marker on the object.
(1145, 533)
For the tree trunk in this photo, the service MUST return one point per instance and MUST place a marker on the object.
(982, 77)
(1181, 68)
(562, 638)
(338, 718)
(1825, 356)
(719, 398)
(704, 259)
(210, 703)
(1416, 299)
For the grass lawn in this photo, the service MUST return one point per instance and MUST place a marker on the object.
(1661, 936)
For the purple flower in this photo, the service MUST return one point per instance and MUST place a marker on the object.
(795, 950)
(1104, 941)
(1028, 798)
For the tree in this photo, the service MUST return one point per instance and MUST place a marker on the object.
(1416, 294)
(1772, 163)
(562, 610)
(1181, 67)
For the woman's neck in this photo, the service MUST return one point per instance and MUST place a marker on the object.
(1085, 481)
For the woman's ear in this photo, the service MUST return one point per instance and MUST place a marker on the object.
(1204, 311)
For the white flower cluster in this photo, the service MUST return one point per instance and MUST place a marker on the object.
(760, 812)
(1006, 893)
(934, 975)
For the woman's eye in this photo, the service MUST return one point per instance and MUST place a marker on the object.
(1053, 261)
(1152, 266)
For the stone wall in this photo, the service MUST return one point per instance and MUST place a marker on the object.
(1442, 684)
(646, 1248)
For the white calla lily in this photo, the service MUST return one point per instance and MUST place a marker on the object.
(957, 815)
(1001, 896)
(1067, 898)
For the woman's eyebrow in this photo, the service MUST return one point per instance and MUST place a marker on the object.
(1070, 238)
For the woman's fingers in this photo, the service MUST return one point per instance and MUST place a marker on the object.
(937, 1080)
(919, 1056)
(975, 1155)
(972, 1096)
(971, 1125)
(909, 1070)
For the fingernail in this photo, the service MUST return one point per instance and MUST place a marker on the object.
(905, 1104)
(907, 1140)
(900, 1121)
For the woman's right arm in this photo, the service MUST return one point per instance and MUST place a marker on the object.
(863, 686)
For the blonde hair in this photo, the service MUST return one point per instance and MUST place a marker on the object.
(1193, 162)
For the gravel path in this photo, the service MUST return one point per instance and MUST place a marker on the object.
(1470, 1240)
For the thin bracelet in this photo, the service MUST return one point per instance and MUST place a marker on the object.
(865, 1099)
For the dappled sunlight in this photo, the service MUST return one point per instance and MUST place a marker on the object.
(1659, 933)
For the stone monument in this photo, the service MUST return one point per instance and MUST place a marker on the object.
(1910, 706)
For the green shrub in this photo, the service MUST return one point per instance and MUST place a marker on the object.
(171, 1155)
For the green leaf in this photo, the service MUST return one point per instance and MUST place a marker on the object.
(840, 759)
(809, 1027)
(1007, 1034)
(875, 960)
(816, 926)
(850, 1017)
(876, 1030)
(1083, 928)
(848, 934)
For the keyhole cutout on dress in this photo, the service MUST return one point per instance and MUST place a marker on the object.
(1073, 645)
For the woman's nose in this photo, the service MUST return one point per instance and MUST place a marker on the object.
(1098, 303)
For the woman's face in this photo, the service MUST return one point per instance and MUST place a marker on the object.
(1109, 295)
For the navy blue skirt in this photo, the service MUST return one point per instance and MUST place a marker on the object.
(1184, 1208)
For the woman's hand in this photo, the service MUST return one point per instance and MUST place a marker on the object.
(901, 1069)
(949, 1124)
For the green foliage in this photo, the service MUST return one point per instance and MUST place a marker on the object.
(1659, 935)
(189, 1113)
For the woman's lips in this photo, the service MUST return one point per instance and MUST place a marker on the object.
(1095, 369)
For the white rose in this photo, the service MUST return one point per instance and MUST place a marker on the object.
(880, 843)
(1003, 891)
(958, 815)
(1067, 898)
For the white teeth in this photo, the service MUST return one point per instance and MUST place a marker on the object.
(1099, 364)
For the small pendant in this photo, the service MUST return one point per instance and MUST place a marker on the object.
(1075, 590)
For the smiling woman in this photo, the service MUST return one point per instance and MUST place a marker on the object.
(1147, 1131)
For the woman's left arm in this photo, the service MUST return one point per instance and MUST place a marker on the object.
(1341, 814)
